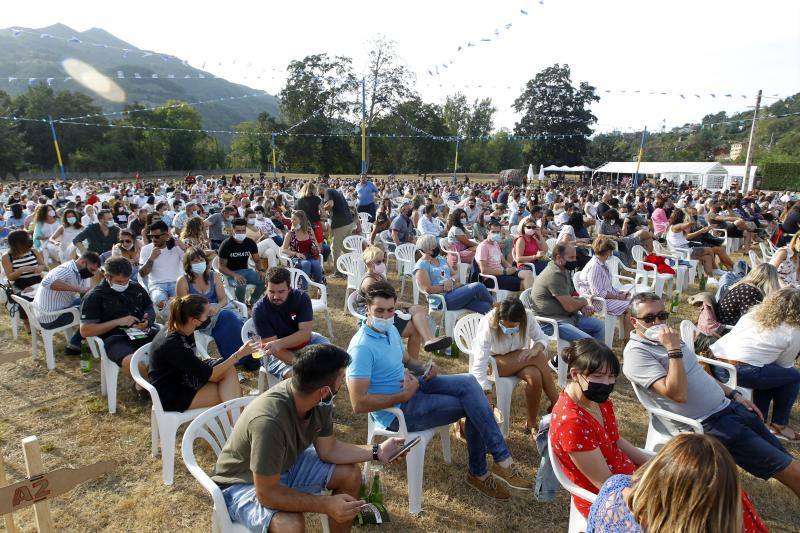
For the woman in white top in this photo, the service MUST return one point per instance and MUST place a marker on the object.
(787, 261)
(90, 217)
(511, 335)
(763, 346)
(70, 227)
(678, 236)
(45, 225)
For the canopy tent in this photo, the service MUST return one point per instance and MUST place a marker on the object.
(712, 176)
(555, 168)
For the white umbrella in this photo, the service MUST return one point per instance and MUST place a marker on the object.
(541, 172)
(530, 171)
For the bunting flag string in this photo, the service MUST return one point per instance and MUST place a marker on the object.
(136, 76)
(496, 34)
(420, 134)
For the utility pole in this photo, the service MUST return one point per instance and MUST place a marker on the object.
(747, 183)
(363, 127)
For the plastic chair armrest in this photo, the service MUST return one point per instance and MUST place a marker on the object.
(663, 413)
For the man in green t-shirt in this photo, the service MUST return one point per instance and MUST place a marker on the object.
(282, 452)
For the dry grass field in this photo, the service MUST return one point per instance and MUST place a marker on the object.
(65, 409)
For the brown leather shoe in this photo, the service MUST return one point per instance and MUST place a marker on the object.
(489, 486)
(513, 476)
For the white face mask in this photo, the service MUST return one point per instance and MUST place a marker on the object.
(239, 236)
(251, 221)
(529, 231)
(652, 333)
(259, 216)
(382, 324)
(119, 287)
(198, 268)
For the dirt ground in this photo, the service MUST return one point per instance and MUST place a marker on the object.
(65, 409)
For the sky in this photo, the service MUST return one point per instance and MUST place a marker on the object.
(693, 47)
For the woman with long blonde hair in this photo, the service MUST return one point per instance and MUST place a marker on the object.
(763, 346)
(787, 261)
(691, 486)
(747, 292)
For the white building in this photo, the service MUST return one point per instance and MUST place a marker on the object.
(712, 176)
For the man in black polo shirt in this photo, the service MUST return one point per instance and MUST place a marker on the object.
(341, 222)
(284, 321)
(115, 310)
(234, 253)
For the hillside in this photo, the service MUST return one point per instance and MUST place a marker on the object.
(28, 55)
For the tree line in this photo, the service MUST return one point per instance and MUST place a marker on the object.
(320, 125)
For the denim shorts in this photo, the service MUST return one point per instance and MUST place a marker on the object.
(309, 474)
(749, 440)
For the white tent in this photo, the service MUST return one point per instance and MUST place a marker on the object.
(711, 176)
(530, 172)
(541, 172)
(556, 168)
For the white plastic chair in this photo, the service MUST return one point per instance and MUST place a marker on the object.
(12, 307)
(354, 243)
(47, 334)
(611, 323)
(688, 333)
(384, 239)
(405, 255)
(462, 268)
(351, 265)
(464, 334)
(561, 370)
(109, 372)
(202, 340)
(415, 460)
(577, 523)
(364, 217)
(214, 427)
(229, 290)
(449, 318)
(661, 280)
(318, 305)
(633, 284)
(684, 274)
(265, 380)
(163, 424)
(351, 306)
(754, 260)
(658, 433)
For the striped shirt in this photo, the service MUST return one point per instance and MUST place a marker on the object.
(26, 260)
(49, 300)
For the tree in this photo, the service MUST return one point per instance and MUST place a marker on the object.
(252, 145)
(607, 147)
(559, 113)
(388, 83)
(318, 93)
(39, 102)
(13, 149)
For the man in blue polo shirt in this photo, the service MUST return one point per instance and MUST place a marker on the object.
(402, 227)
(366, 196)
(283, 319)
(381, 375)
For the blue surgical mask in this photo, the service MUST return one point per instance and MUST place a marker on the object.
(198, 268)
(507, 330)
(110, 223)
(496, 237)
(382, 324)
(71, 220)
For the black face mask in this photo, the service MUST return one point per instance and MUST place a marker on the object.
(436, 251)
(205, 323)
(85, 273)
(598, 392)
(571, 265)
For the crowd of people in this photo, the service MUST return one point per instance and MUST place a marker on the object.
(161, 263)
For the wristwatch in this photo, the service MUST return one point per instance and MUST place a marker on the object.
(375, 449)
(732, 395)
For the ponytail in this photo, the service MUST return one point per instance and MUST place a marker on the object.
(183, 308)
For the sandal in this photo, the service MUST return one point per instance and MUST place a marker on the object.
(785, 433)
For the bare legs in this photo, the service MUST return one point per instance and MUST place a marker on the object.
(536, 375)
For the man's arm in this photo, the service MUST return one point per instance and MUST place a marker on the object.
(364, 402)
(301, 336)
(95, 329)
(273, 495)
(572, 304)
(61, 286)
(674, 385)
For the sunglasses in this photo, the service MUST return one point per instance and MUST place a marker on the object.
(649, 319)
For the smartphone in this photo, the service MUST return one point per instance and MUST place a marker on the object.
(405, 447)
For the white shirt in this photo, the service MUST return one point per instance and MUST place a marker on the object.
(487, 345)
(428, 227)
(48, 300)
(749, 344)
(167, 267)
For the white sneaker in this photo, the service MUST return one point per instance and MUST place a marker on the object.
(498, 416)
(712, 281)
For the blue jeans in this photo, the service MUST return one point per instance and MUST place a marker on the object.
(313, 268)
(584, 328)
(227, 332)
(473, 296)
(278, 240)
(251, 278)
(309, 475)
(161, 292)
(63, 320)
(278, 368)
(445, 399)
(771, 384)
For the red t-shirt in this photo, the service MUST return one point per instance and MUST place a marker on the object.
(574, 429)
(93, 199)
(531, 246)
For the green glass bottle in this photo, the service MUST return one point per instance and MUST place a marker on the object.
(454, 351)
(86, 361)
(376, 494)
(675, 302)
(703, 281)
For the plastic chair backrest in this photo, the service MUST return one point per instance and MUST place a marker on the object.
(638, 253)
(28, 307)
(351, 306)
(354, 243)
(247, 328)
(350, 264)
(142, 355)
(562, 478)
(465, 331)
(688, 332)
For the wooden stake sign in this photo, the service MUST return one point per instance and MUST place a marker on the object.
(10, 357)
(41, 486)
